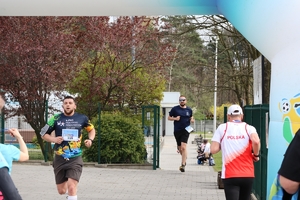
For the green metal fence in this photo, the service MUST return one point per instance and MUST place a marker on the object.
(94, 111)
(257, 116)
(151, 123)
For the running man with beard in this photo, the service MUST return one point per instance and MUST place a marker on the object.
(68, 162)
(182, 115)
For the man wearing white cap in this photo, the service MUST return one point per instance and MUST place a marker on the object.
(240, 146)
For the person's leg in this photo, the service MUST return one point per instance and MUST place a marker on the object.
(73, 174)
(245, 188)
(183, 153)
(72, 187)
(59, 165)
(62, 188)
(7, 186)
(184, 140)
(177, 138)
(231, 189)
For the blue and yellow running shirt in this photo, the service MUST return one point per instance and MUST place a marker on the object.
(69, 127)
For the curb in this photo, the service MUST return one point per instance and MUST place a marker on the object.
(93, 164)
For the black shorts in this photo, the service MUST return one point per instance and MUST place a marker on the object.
(64, 169)
(291, 162)
(181, 136)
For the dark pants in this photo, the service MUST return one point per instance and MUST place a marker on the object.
(238, 188)
(7, 186)
(181, 136)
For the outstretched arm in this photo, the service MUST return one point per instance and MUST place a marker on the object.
(50, 138)
(23, 148)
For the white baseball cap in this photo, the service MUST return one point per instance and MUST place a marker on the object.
(234, 110)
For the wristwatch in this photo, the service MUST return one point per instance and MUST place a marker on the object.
(91, 139)
(256, 155)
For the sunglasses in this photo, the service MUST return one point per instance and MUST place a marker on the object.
(181, 100)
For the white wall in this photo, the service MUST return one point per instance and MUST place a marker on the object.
(169, 101)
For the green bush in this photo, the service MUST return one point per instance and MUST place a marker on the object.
(121, 140)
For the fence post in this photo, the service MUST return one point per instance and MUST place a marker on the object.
(158, 133)
(99, 130)
(2, 128)
(47, 143)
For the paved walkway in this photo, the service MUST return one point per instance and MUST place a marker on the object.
(36, 182)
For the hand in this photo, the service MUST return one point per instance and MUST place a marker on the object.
(58, 140)
(254, 158)
(88, 143)
(192, 120)
(177, 118)
(15, 133)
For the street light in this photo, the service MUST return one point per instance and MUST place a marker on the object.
(216, 82)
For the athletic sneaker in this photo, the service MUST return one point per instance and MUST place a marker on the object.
(182, 168)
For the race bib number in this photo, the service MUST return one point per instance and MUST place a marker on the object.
(70, 134)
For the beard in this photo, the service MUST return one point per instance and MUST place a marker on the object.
(69, 112)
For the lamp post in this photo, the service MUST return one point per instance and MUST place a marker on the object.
(216, 83)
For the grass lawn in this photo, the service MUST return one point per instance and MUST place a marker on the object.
(35, 154)
(218, 161)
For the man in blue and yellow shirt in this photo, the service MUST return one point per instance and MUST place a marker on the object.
(68, 162)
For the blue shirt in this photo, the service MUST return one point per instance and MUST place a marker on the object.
(8, 154)
(185, 117)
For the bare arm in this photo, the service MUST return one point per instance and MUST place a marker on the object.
(255, 143)
(215, 147)
(92, 134)
(174, 118)
(170, 118)
(50, 138)
(23, 148)
(88, 143)
(192, 119)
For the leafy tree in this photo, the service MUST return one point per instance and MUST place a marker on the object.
(188, 67)
(235, 57)
(40, 55)
(220, 110)
(36, 59)
(124, 63)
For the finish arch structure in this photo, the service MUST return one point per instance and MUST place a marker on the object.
(272, 26)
